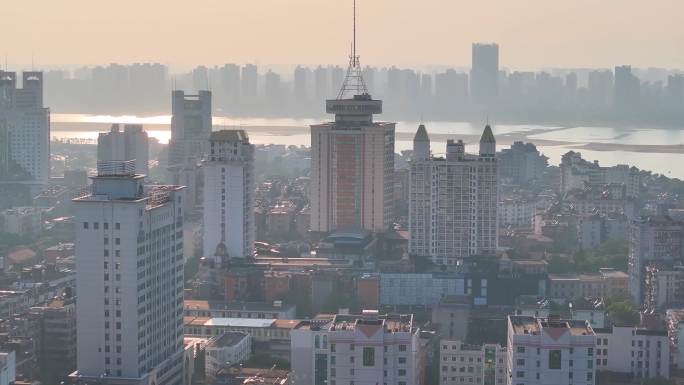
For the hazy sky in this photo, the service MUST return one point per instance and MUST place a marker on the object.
(531, 33)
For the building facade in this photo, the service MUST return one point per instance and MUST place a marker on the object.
(550, 351)
(352, 168)
(453, 200)
(463, 364)
(638, 352)
(357, 349)
(130, 144)
(656, 243)
(24, 129)
(129, 265)
(229, 185)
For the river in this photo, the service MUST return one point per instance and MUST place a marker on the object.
(654, 149)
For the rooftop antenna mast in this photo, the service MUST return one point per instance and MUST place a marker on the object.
(353, 82)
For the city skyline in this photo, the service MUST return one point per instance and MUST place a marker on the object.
(541, 35)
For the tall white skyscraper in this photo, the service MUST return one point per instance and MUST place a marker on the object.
(129, 263)
(229, 188)
(24, 129)
(453, 200)
(130, 144)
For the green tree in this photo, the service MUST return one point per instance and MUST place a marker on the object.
(623, 313)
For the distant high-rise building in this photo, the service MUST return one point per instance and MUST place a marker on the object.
(453, 200)
(249, 82)
(230, 84)
(352, 162)
(626, 89)
(336, 78)
(656, 244)
(675, 91)
(129, 263)
(130, 144)
(484, 73)
(229, 188)
(600, 88)
(300, 83)
(190, 126)
(200, 78)
(321, 83)
(24, 129)
(451, 87)
(425, 86)
(272, 87)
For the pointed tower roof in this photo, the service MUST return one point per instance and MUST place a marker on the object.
(487, 135)
(421, 134)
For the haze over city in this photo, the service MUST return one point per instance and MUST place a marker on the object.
(534, 34)
(348, 192)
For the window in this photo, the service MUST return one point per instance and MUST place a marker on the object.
(351, 359)
(105, 225)
(351, 347)
(402, 360)
(520, 349)
(85, 225)
(555, 357)
(590, 351)
(520, 374)
(402, 348)
(332, 348)
(117, 226)
(590, 364)
(368, 356)
(96, 225)
(402, 372)
(521, 362)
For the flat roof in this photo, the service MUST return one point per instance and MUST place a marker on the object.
(241, 322)
(227, 339)
(532, 325)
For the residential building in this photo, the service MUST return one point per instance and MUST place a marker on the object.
(658, 242)
(26, 221)
(357, 349)
(463, 364)
(229, 185)
(130, 144)
(224, 351)
(450, 317)
(129, 265)
(639, 352)
(453, 200)
(578, 173)
(484, 74)
(522, 163)
(190, 126)
(24, 130)
(517, 213)
(550, 351)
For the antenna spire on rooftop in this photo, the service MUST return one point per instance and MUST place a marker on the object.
(353, 81)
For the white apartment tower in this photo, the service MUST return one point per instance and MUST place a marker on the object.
(229, 185)
(365, 349)
(129, 263)
(453, 200)
(24, 129)
(550, 351)
(130, 144)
